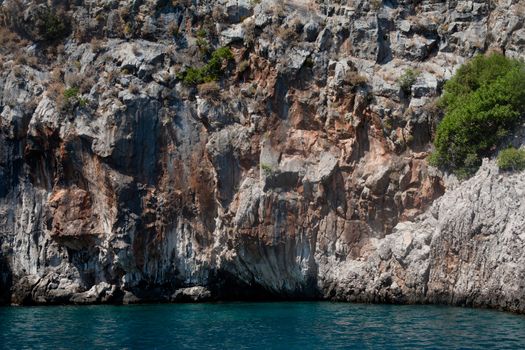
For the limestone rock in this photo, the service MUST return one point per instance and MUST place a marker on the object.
(238, 9)
(100, 293)
(192, 294)
(296, 169)
(233, 34)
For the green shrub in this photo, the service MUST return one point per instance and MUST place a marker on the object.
(223, 53)
(201, 33)
(407, 80)
(212, 71)
(83, 102)
(70, 99)
(511, 159)
(214, 66)
(203, 45)
(266, 168)
(483, 102)
(52, 26)
(71, 93)
(193, 76)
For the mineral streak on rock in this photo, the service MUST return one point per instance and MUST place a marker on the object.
(300, 174)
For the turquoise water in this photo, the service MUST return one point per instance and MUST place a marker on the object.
(259, 326)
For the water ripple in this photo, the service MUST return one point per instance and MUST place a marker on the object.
(259, 326)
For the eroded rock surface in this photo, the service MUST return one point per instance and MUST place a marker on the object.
(466, 250)
(301, 173)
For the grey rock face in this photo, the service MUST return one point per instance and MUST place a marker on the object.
(100, 293)
(464, 251)
(238, 9)
(233, 34)
(193, 294)
(300, 173)
(311, 29)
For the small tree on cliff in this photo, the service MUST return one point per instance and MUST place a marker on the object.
(483, 103)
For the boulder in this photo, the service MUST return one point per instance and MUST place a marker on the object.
(191, 294)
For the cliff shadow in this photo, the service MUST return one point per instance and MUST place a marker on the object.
(225, 286)
(6, 281)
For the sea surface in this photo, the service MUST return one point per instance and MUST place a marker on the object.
(284, 325)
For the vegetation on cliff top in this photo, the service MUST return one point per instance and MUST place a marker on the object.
(483, 103)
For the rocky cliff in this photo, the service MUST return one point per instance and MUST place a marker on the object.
(299, 172)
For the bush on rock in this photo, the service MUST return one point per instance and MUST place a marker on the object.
(483, 102)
